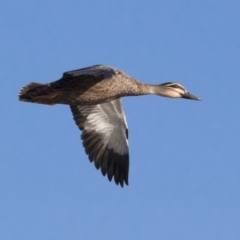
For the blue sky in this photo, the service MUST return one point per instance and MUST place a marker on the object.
(184, 169)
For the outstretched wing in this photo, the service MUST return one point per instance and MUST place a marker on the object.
(104, 138)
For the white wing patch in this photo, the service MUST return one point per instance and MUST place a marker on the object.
(104, 137)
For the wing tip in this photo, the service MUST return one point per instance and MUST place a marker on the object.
(118, 169)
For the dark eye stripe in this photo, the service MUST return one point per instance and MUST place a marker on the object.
(175, 85)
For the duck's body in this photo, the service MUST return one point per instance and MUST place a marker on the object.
(87, 86)
(94, 94)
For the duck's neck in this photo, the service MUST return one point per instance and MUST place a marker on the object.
(155, 89)
(138, 88)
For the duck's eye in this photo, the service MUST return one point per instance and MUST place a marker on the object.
(174, 86)
(177, 86)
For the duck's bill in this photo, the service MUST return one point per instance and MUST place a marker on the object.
(190, 96)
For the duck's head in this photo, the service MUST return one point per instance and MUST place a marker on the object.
(176, 90)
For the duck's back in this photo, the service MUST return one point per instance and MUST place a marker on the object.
(86, 86)
(96, 84)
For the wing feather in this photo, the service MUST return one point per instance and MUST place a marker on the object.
(94, 71)
(104, 137)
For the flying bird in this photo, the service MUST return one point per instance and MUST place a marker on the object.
(94, 96)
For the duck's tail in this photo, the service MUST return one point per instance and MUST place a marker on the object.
(37, 93)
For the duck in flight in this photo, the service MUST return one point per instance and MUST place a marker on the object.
(94, 96)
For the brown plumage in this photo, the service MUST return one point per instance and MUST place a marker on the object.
(85, 86)
(93, 95)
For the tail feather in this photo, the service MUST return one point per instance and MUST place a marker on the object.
(37, 93)
(23, 94)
